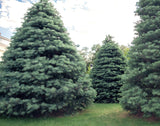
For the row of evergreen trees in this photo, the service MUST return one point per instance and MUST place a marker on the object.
(42, 73)
(140, 92)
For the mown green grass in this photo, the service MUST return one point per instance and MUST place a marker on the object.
(95, 115)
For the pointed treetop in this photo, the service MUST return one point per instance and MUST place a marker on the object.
(43, 0)
(108, 39)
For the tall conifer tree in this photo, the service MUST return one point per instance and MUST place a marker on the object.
(141, 92)
(109, 65)
(42, 73)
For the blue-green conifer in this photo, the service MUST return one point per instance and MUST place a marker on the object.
(141, 91)
(41, 72)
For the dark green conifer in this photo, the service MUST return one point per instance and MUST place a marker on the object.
(107, 69)
(42, 73)
(141, 91)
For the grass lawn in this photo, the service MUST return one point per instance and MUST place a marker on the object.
(95, 115)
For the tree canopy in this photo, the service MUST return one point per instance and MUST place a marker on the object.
(108, 66)
(41, 72)
(141, 91)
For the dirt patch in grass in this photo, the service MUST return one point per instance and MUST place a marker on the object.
(153, 119)
(148, 119)
(125, 114)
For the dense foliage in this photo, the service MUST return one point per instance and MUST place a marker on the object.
(141, 92)
(42, 73)
(109, 65)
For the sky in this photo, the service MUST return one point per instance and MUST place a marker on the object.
(87, 21)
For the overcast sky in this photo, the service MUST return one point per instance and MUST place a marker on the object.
(87, 21)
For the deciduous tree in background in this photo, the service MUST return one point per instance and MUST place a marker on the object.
(109, 65)
(89, 55)
(125, 50)
(42, 73)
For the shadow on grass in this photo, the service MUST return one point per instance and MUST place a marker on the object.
(95, 115)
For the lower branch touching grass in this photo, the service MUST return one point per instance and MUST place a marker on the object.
(95, 115)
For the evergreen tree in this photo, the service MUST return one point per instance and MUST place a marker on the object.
(42, 73)
(141, 91)
(107, 70)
